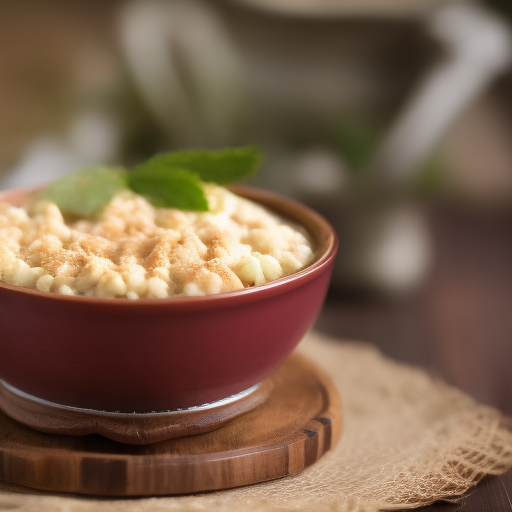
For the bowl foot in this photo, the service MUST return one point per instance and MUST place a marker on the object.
(293, 428)
(131, 428)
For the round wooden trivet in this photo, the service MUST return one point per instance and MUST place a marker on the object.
(296, 425)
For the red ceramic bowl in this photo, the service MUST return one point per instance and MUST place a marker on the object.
(160, 354)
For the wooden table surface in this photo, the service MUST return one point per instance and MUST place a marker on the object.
(459, 325)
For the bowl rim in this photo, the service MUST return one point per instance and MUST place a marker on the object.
(324, 235)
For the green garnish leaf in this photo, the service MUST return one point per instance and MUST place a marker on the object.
(167, 187)
(169, 180)
(87, 191)
(218, 166)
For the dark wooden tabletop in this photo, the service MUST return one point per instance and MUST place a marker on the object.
(459, 325)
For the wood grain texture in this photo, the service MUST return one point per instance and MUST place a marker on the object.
(298, 423)
(125, 427)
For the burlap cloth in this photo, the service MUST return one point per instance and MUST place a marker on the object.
(407, 440)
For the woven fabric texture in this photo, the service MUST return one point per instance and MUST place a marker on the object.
(407, 440)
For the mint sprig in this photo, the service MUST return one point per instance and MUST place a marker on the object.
(169, 180)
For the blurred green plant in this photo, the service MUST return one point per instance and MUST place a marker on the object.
(356, 139)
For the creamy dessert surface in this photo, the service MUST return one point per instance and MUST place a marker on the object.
(134, 250)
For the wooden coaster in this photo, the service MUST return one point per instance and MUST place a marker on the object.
(292, 429)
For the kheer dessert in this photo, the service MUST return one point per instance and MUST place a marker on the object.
(133, 249)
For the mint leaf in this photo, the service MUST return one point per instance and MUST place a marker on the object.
(218, 166)
(169, 187)
(170, 180)
(87, 191)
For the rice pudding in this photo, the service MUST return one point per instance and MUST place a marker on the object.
(134, 250)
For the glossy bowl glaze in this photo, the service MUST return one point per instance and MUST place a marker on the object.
(160, 354)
